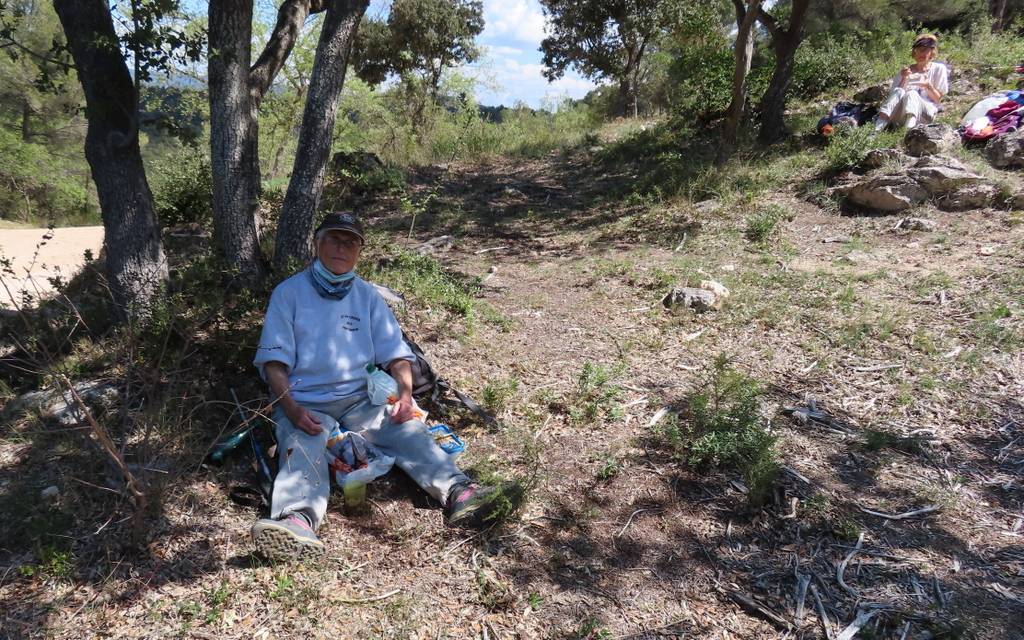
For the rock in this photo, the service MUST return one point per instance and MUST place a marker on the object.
(873, 94)
(930, 139)
(987, 251)
(887, 193)
(728, 267)
(714, 287)
(972, 196)
(917, 224)
(941, 179)
(707, 206)
(356, 162)
(50, 493)
(699, 300)
(1017, 201)
(61, 407)
(1006, 150)
(877, 158)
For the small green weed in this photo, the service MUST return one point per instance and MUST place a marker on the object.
(596, 398)
(534, 600)
(610, 467)
(762, 226)
(878, 439)
(591, 629)
(53, 563)
(216, 601)
(497, 394)
(283, 586)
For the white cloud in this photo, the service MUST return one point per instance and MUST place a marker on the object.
(507, 81)
(521, 20)
(501, 50)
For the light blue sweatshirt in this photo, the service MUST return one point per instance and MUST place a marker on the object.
(326, 343)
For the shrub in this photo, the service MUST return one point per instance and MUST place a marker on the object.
(497, 394)
(596, 397)
(183, 188)
(763, 224)
(724, 428)
(848, 145)
(36, 185)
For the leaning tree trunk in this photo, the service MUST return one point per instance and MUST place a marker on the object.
(136, 265)
(773, 104)
(233, 149)
(744, 52)
(295, 227)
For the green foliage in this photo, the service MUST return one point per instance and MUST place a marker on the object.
(596, 397)
(425, 282)
(724, 428)
(847, 146)
(497, 394)
(183, 188)
(35, 186)
(763, 224)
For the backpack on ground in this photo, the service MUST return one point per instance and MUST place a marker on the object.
(849, 114)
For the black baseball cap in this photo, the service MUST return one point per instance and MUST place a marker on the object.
(342, 221)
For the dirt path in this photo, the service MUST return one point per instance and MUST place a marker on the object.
(37, 255)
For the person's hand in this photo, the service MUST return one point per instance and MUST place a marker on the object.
(905, 73)
(304, 420)
(402, 410)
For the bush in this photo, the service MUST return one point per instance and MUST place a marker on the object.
(183, 188)
(37, 186)
(762, 225)
(724, 428)
(596, 397)
(849, 145)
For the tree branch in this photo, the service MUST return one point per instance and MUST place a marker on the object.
(11, 42)
(769, 22)
(290, 19)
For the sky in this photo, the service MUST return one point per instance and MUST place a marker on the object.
(510, 69)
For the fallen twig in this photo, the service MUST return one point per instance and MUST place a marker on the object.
(826, 624)
(841, 569)
(630, 521)
(754, 607)
(489, 249)
(902, 516)
(854, 627)
(803, 580)
(382, 596)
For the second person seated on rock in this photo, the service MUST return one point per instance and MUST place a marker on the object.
(917, 89)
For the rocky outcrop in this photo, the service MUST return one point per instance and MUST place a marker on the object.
(1006, 150)
(930, 139)
(943, 180)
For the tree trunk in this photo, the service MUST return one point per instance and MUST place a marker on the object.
(233, 147)
(295, 228)
(627, 97)
(997, 9)
(773, 104)
(26, 120)
(743, 52)
(236, 91)
(136, 265)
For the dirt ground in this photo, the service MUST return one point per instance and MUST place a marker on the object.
(38, 255)
(913, 335)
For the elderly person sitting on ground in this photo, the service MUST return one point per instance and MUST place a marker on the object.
(322, 328)
(917, 89)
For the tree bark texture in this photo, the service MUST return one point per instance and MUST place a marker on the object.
(233, 148)
(136, 265)
(295, 227)
(997, 9)
(743, 52)
(236, 91)
(785, 42)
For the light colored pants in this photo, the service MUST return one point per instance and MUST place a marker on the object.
(903, 104)
(303, 480)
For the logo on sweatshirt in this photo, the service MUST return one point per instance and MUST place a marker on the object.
(350, 323)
